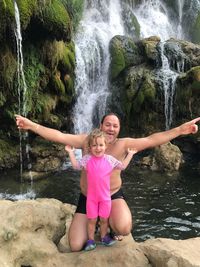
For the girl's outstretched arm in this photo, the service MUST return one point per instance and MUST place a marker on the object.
(72, 157)
(129, 156)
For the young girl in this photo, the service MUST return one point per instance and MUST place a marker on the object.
(98, 166)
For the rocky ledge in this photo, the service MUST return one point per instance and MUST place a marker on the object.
(33, 233)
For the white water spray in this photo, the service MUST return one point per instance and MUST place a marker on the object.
(180, 17)
(153, 19)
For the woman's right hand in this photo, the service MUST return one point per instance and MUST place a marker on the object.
(24, 123)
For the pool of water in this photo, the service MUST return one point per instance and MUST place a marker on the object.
(161, 205)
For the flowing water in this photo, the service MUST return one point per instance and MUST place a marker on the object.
(22, 93)
(101, 21)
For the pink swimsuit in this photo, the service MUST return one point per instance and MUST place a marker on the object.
(98, 183)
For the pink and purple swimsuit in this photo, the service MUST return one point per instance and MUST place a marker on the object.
(98, 183)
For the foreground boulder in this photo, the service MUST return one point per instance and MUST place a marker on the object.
(33, 233)
(163, 252)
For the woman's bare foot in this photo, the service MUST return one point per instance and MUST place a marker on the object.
(118, 237)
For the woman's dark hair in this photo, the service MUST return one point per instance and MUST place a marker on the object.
(110, 114)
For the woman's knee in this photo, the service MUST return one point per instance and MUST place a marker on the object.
(76, 245)
(124, 229)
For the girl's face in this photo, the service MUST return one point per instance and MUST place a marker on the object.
(98, 147)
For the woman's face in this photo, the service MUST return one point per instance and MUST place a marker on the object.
(111, 127)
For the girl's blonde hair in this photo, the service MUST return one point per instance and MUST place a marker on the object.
(96, 133)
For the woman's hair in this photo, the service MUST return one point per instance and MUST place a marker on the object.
(110, 114)
(96, 133)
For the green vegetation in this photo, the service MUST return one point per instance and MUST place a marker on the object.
(196, 30)
(75, 9)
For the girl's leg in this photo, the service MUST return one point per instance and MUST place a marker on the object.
(91, 228)
(78, 232)
(103, 226)
(120, 218)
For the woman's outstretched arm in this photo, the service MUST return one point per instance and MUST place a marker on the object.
(49, 133)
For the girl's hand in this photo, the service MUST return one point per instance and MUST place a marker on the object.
(69, 148)
(131, 151)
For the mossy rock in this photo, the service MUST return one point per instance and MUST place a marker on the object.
(151, 48)
(195, 32)
(188, 94)
(6, 18)
(26, 10)
(68, 61)
(124, 52)
(56, 21)
(9, 155)
(58, 84)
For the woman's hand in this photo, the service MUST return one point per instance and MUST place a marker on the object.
(24, 123)
(189, 127)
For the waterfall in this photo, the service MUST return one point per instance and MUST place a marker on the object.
(101, 21)
(153, 18)
(21, 86)
(168, 80)
(180, 17)
(22, 91)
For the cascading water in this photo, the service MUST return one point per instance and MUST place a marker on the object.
(101, 21)
(180, 17)
(22, 90)
(21, 86)
(154, 20)
(168, 78)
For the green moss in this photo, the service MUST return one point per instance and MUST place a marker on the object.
(117, 61)
(7, 16)
(8, 154)
(140, 97)
(55, 19)
(2, 99)
(59, 54)
(69, 84)
(26, 10)
(67, 61)
(196, 30)
(58, 84)
(188, 93)
(149, 90)
(75, 9)
(7, 68)
(136, 25)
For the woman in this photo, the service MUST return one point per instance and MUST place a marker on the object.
(120, 217)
